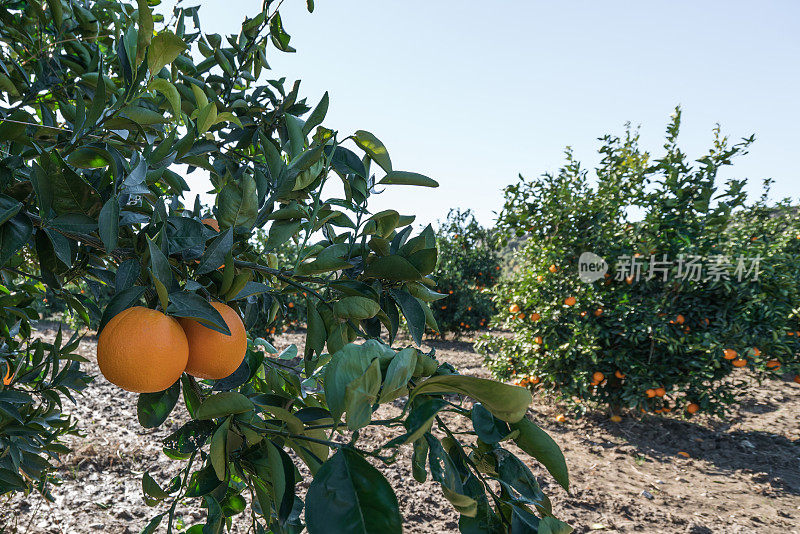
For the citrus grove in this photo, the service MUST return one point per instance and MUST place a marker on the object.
(698, 285)
(105, 104)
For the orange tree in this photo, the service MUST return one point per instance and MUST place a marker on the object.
(468, 267)
(670, 311)
(102, 105)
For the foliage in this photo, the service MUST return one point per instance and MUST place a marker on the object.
(101, 109)
(647, 343)
(468, 267)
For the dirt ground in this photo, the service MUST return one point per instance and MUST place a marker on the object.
(742, 475)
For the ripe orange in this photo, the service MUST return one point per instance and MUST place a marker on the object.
(212, 354)
(706, 321)
(539, 278)
(680, 319)
(629, 280)
(583, 314)
(553, 268)
(533, 380)
(660, 392)
(514, 308)
(692, 408)
(212, 223)
(598, 377)
(560, 418)
(619, 374)
(616, 419)
(729, 354)
(521, 316)
(650, 393)
(8, 378)
(756, 352)
(684, 454)
(739, 362)
(569, 301)
(773, 364)
(598, 312)
(142, 350)
(538, 340)
(535, 316)
(797, 378)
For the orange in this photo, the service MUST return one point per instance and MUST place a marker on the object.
(739, 362)
(797, 378)
(569, 301)
(538, 340)
(619, 374)
(212, 223)
(514, 308)
(789, 333)
(660, 392)
(729, 354)
(692, 408)
(539, 278)
(583, 314)
(684, 454)
(650, 393)
(8, 378)
(773, 364)
(212, 354)
(598, 312)
(521, 316)
(629, 280)
(533, 380)
(756, 352)
(535, 316)
(560, 418)
(553, 268)
(616, 419)
(598, 377)
(142, 350)
(680, 319)
(291, 304)
(706, 321)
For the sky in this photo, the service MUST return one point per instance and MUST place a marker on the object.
(473, 94)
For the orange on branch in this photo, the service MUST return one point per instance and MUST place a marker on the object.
(213, 354)
(142, 350)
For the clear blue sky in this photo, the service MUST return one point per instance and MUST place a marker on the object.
(474, 93)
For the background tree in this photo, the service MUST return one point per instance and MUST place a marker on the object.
(101, 112)
(468, 266)
(647, 338)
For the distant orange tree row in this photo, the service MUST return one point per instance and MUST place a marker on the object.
(687, 285)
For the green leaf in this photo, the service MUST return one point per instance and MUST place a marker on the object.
(350, 495)
(152, 409)
(506, 402)
(360, 394)
(538, 444)
(89, 158)
(218, 452)
(193, 306)
(374, 149)
(223, 404)
(317, 116)
(418, 460)
(407, 178)
(108, 224)
(280, 232)
(169, 91)
(145, 33)
(14, 233)
(399, 372)
(489, 428)
(237, 203)
(214, 255)
(165, 47)
(346, 365)
(413, 311)
(356, 308)
(206, 117)
(159, 264)
(392, 268)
